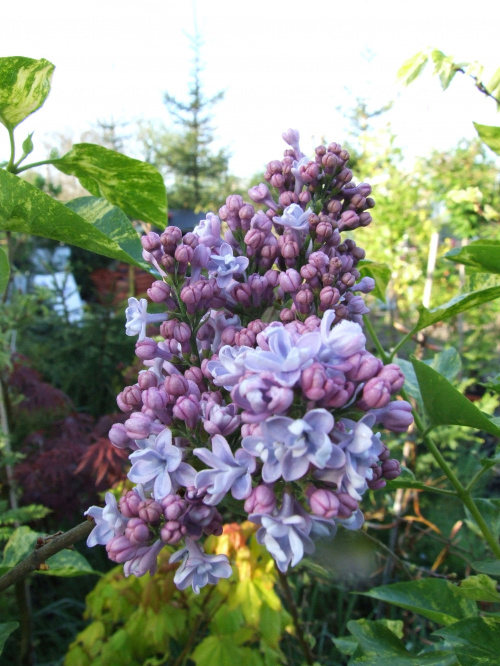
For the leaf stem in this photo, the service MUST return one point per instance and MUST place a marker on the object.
(287, 593)
(33, 165)
(11, 166)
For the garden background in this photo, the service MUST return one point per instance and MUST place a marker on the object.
(418, 583)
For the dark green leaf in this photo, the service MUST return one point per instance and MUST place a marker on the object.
(379, 645)
(490, 135)
(134, 186)
(447, 406)
(457, 305)
(413, 67)
(26, 209)
(436, 599)
(381, 273)
(24, 86)
(490, 567)
(476, 641)
(480, 255)
(4, 270)
(6, 628)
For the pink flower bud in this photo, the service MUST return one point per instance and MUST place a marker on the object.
(393, 374)
(147, 379)
(324, 503)
(120, 549)
(137, 532)
(132, 395)
(119, 438)
(290, 280)
(396, 416)
(347, 505)
(313, 381)
(150, 511)
(129, 504)
(173, 507)
(391, 469)
(261, 500)
(364, 366)
(176, 385)
(188, 409)
(159, 292)
(376, 394)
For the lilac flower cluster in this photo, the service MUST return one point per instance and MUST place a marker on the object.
(259, 388)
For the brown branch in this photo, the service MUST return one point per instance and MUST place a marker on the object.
(39, 555)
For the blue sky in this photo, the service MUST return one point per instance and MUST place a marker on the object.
(281, 64)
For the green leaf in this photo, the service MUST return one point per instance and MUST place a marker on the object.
(6, 628)
(411, 383)
(490, 135)
(134, 186)
(455, 306)
(222, 650)
(381, 273)
(476, 641)
(447, 71)
(26, 209)
(27, 145)
(379, 645)
(480, 588)
(490, 511)
(447, 406)
(490, 567)
(413, 67)
(480, 255)
(494, 82)
(4, 270)
(406, 480)
(447, 363)
(68, 563)
(24, 86)
(436, 599)
(20, 545)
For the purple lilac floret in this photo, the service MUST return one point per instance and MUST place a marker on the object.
(259, 386)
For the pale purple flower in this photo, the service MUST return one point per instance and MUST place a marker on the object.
(208, 231)
(229, 367)
(286, 358)
(145, 559)
(160, 465)
(291, 137)
(260, 396)
(221, 419)
(225, 265)
(295, 219)
(288, 447)
(229, 472)
(343, 340)
(109, 522)
(197, 568)
(138, 317)
(286, 534)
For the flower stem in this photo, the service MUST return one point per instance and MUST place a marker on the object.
(292, 607)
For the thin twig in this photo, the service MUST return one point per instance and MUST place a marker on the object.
(39, 555)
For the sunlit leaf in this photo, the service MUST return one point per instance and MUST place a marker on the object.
(4, 270)
(436, 599)
(494, 82)
(26, 209)
(24, 86)
(413, 67)
(447, 406)
(490, 135)
(68, 563)
(134, 186)
(381, 273)
(455, 306)
(480, 255)
(480, 588)
(476, 641)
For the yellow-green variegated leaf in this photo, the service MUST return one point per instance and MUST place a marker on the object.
(24, 86)
(134, 186)
(4, 270)
(93, 225)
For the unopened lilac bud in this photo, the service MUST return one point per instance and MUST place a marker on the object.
(391, 469)
(347, 505)
(132, 395)
(184, 254)
(290, 280)
(150, 241)
(254, 239)
(146, 349)
(328, 297)
(195, 375)
(146, 379)
(376, 394)
(129, 504)
(120, 549)
(324, 503)
(150, 511)
(138, 426)
(155, 399)
(277, 180)
(245, 338)
(287, 199)
(176, 385)
(228, 334)
(376, 482)
(261, 500)
(324, 230)
(287, 315)
(304, 299)
(242, 294)
(159, 292)
(119, 438)
(234, 202)
(261, 195)
(188, 409)
(171, 236)
(364, 366)
(393, 374)
(313, 381)
(172, 532)
(365, 286)
(137, 532)
(364, 219)
(396, 416)
(173, 507)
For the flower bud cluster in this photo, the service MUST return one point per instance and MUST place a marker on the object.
(259, 386)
